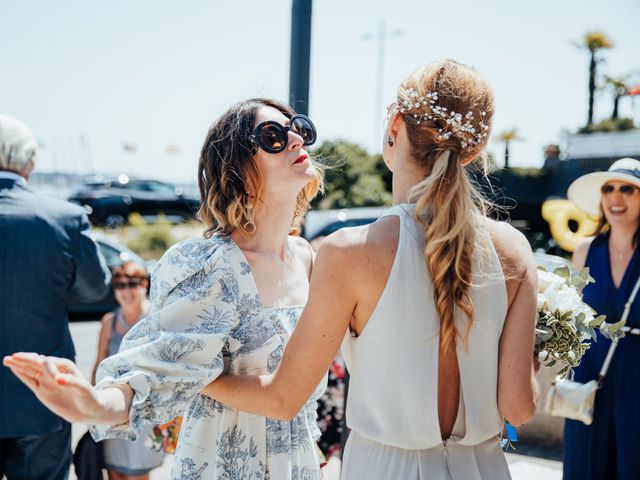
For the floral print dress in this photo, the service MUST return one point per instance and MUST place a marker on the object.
(206, 318)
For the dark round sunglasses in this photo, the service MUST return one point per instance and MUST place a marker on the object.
(133, 283)
(624, 189)
(273, 137)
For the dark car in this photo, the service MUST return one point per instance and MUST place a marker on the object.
(109, 203)
(321, 223)
(115, 255)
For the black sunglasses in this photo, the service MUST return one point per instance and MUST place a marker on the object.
(273, 137)
(624, 189)
(134, 283)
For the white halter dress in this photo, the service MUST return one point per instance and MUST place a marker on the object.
(392, 407)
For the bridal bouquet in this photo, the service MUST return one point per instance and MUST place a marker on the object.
(565, 323)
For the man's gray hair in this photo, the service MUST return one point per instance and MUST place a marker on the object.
(17, 144)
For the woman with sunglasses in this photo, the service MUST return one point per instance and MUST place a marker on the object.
(608, 447)
(434, 305)
(228, 301)
(126, 460)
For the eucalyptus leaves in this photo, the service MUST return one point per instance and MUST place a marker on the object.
(565, 323)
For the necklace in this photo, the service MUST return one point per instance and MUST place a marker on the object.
(621, 255)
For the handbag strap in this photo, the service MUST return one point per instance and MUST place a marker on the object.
(614, 342)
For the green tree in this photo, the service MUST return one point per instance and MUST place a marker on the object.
(593, 42)
(619, 87)
(507, 137)
(353, 177)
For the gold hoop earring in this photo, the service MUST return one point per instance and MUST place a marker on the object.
(249, 227)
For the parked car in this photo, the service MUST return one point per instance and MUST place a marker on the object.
(115, 255)
(109, 203)
(320, 223)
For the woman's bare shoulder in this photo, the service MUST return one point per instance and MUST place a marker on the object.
(353, 244)
(580, 253)
(374, 234)
(506, 238)
(512, 248)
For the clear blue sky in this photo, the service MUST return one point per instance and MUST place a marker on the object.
(90, 76)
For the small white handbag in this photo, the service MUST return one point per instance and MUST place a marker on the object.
(574, 400)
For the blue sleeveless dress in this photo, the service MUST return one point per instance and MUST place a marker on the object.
(609, 448)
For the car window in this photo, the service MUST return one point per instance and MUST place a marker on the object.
(110, 254)
(162, 188)
(115, 257)
(335, 226)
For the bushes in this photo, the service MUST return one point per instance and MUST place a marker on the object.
(149, 241)
(609, 125)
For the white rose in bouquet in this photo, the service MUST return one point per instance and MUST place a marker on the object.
(565, 323)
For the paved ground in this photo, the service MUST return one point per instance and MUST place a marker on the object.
(522, 467)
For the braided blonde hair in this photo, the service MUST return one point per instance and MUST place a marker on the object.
(447, 204)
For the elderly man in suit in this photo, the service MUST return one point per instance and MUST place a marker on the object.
(46, 257)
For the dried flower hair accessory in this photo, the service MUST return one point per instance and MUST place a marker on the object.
(424, 108)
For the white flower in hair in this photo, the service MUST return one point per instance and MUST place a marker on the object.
(424, 108)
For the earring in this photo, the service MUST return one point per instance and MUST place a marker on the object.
(389, 140)
(249, 227)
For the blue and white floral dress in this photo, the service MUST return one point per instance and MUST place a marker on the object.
(206, 318)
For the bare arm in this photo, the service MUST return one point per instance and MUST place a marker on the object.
(311, 348)
(103, 343)
(517, 385)
(59, 384)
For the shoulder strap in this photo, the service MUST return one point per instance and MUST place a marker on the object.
(614, 342)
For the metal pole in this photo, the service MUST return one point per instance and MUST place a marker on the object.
(382, 37)
(380, 79)
(300, 55)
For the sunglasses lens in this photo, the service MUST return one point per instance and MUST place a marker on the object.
(272, 138)
(130, 284)
(303, 127)
(624, 189)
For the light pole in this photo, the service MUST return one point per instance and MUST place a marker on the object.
(300, 55)
(381, 37)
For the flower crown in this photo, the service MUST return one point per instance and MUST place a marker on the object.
(423, 108)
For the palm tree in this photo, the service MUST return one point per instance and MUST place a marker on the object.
(620, 89)
(593, 41)
(507, 137)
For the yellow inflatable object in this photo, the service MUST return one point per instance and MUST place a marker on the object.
(558, 213)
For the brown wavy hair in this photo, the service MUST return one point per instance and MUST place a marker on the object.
(604, 227)
(229, 180)
(447, 204)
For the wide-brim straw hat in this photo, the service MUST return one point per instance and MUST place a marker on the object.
(585, 190)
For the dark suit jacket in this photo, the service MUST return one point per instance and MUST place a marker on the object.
(46, 257)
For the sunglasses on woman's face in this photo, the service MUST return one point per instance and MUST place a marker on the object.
(623, 189)
(273, 137)
(130, 284)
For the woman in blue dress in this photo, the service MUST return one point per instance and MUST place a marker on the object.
(608, 448)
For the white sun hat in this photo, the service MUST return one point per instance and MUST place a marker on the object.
(585, 190)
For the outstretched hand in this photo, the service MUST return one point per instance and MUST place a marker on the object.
(58, 384)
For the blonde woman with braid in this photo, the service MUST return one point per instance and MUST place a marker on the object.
(434, 305)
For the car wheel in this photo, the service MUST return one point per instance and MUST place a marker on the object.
(114, 220)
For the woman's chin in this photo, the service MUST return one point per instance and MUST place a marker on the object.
(623, 220)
